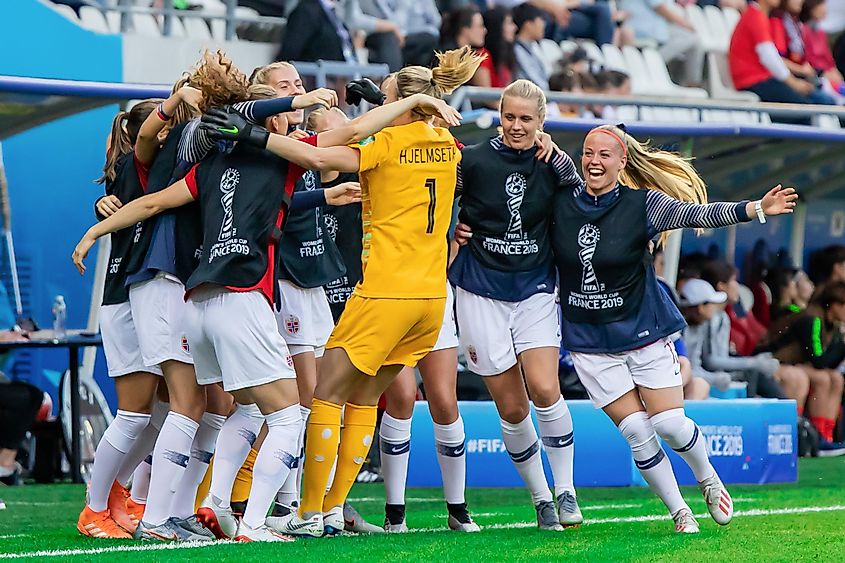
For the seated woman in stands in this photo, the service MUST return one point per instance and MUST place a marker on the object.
(814, 341)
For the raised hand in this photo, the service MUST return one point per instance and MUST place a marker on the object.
(546, 147)
(343, 194)
(228, 124)
(323, 97)
(436, 106)
(364, 89)
(190, 96)
(779, 200)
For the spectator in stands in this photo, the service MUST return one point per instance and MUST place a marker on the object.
(380, 22)
(827, 265)
(531, 28)
(314, 31)
(569, 81)
(816, 45)
(746, 331)
(595, 21)
(461, 28)
(791, 292)
(735, 4)
(613, 83)
(497, 69)
(813, 341)
(788, 37)
(756, 66)
(699, 304)
(421, 27)
(763, 374)
(695, 388)
(663, 22)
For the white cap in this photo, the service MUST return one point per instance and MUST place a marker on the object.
(698, 292)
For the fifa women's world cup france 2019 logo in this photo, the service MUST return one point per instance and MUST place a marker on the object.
(228, 183)
(588, 238)
(515, 185)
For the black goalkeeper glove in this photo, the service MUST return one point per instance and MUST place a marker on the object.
(364, 89)
(228, 124)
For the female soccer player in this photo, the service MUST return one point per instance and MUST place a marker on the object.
(617, 321)
(407, 176)
(105, 514)
(505, 298)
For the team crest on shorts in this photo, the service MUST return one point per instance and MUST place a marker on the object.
(292, 324)
(473, 356)
(289, 360)
(185, 346)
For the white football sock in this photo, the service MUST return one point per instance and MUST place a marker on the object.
(141, 480)
(451, 455)
(233, 444)
(111, 451)
(524, 448)
(289, 493)
(143, 445)
(170, 458)
(684, 436)
(555, 424)
(395, 444)
(185, 498)
(277, 456)
(651, 460)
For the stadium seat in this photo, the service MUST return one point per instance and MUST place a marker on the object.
(594, 53)
(66, 11)
(718, 26)
(551, 53)
(720, 82)
(93, 19)
(731, 19)
(567, 46)
(827, 121)
(145, 24)
(614, 60)
(196, 28)
(709, 38)
(641, 82)
(177, 28)
(114, 21)
(659, 75)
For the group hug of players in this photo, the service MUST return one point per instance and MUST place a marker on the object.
(234, 224)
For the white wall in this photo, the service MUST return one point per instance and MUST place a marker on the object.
(161, 60)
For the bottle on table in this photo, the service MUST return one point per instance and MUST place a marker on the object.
(59, 317)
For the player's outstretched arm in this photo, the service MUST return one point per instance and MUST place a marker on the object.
(378, 118)
(146, 146)
(133, 212)
(666, 213)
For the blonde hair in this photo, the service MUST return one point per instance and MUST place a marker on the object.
(124, 132)
(655, 169)
(260, 92)
(261, 74)
(526, 90)
(454, 68)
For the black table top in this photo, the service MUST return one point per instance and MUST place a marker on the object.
(46, 339)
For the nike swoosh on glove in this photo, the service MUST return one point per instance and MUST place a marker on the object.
(228, 124)
(363, 89)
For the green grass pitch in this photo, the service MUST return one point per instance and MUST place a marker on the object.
(804, 521)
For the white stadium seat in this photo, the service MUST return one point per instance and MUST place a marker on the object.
(593, 52)
(196, 28)
(177, 28)
(709, 39)
(731, 18)
(550, 53)
(827, 121)
(659, 74)
(145, 24)
(637, 70)
(114, 21)
(66, 11)
(613, 59)
(720, 83)
(718, 26)
(93, 19)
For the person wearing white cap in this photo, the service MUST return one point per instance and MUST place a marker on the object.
(699, 304)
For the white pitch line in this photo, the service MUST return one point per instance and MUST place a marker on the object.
(112, 549)
(12, 536)
(515, 525)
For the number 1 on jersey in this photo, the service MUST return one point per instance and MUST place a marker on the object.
(431, 184)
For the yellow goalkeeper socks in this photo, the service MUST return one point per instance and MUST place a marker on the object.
(358, 427)
(322, 436)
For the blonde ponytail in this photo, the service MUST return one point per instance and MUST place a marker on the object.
(454, 68)
(663, 171)
(123, 134)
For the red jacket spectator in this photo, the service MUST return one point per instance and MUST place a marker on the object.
(752, 30)
(746, 332)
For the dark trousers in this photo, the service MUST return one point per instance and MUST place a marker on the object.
(19, 403)
(384, 48)
(589, 22)
(774, 90)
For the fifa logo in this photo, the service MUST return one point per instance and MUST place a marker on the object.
(228, 183)
(331, 225)
(588, 238)
(515, 185)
